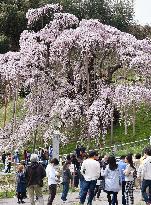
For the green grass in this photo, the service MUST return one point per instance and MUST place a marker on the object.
(7, 194)
(143, 128)
(143, 131)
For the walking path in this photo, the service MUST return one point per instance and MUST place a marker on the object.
(72, 200)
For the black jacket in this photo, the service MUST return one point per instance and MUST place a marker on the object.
(34, 174)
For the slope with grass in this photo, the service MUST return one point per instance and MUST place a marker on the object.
(143, 129)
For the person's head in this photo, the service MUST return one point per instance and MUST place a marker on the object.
(96, 156)
(22, 162)
(73, 156)
(36, 151)
(20, 168)
(68, 157)
(66, 165)
(85, 156)
(129, 160)
(122, 157)
(112, 162)
(100, 158)
(138, 156)
(147, 151)
(92, 154)
(34, 158)
(55, 162)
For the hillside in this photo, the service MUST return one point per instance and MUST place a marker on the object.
(143, 129)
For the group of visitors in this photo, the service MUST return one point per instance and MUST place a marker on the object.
(44, 154)
(91, 173)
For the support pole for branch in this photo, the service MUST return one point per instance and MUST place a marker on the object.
(15, 109)
(35, 139)
(112, 127)
(36, 112)
(5, 106)
(125, 121)
(134, 119)
(88, 92)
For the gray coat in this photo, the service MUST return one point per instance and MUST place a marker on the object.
(112, 179)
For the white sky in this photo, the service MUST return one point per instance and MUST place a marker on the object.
(143, 11)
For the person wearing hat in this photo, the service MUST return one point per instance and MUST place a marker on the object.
(34, 175)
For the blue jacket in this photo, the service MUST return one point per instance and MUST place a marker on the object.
(122, 166)
(21, 182)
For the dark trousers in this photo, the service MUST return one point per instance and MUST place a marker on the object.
(146, 184)
(65, 191)
(88, 186)
(8, 167)
(3, 164)
(76, 180)
(123, 193)
(20, 196)
(52, 193)
(112, 200)
(97, 191)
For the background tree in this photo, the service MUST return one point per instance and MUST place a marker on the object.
(140, 31)
(13, 21)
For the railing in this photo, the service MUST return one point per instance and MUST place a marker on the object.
(117, 147)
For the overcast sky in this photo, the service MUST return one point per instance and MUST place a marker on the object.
(143, 11)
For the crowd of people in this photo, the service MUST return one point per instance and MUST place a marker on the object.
(89, 173)
(44, 154)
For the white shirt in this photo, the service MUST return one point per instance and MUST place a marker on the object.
(90, 169)
(129, 173)
(146, 169)
(51, 174)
